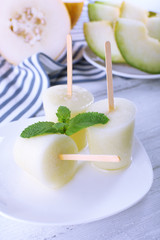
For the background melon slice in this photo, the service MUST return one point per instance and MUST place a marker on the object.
(109, 2)
(47, 22)
(137, 48)
(98, 12)
(153, 26)
(151, 14)
(74, 8)
(96, 34)
(128, 10)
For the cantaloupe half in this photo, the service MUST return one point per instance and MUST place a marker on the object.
(136, 46)
(31, 26)
(96, 34)
(74, 8)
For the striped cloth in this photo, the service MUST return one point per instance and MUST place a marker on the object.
(21, 86)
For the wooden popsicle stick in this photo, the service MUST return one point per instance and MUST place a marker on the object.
(90, 158)
(109, 76)
(69, 65)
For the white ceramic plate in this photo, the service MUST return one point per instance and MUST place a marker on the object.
(122, 70)
(90, 196)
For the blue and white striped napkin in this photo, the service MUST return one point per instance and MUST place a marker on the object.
(21, 86)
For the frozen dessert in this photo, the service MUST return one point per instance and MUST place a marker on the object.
(39, 156)
(78, 102)
(116, 137)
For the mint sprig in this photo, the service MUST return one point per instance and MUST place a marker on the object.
(39, 128)
(63, 114)
(61, 127)
(85, 120)
(66, 124)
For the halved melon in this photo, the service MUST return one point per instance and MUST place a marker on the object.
(128, 10)
(153, 26)
(97, 12)
(137, 48)
(96, 34)
(31, 26)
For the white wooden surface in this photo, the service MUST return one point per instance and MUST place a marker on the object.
(142, 221)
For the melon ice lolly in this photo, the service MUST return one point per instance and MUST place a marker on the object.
(39, 156)
(116, 137)
(77, 99)
(78, 102)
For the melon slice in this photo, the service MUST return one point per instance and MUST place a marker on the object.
(96, 34)
(151, 14)
(153, 26)
(74, 8)
(31, 26)
(137, 48)
(97, 12)
(128, 10)
(109, 2)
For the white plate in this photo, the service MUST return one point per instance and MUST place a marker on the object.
(122, 70)
(90, 196)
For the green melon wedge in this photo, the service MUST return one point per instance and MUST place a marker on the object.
(153, 26)
(128, 10)
(152, 14)
(136, 46)
(97, 12)
(96, 34)
(109, 2)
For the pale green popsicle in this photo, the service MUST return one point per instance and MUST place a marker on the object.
(39, 156)
(116, 137)
(80, 100)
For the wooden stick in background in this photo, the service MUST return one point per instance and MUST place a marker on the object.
(69, 65)
(109, 76)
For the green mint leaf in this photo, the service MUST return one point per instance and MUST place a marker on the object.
(85, 120)
(65, 125)
(61, 127)
(63, 114)
(39, 128)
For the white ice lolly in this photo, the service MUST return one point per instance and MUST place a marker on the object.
(39, 156)
(80, 100)
(116, 136)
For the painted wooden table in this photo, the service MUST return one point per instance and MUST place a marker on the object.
(141, 221)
